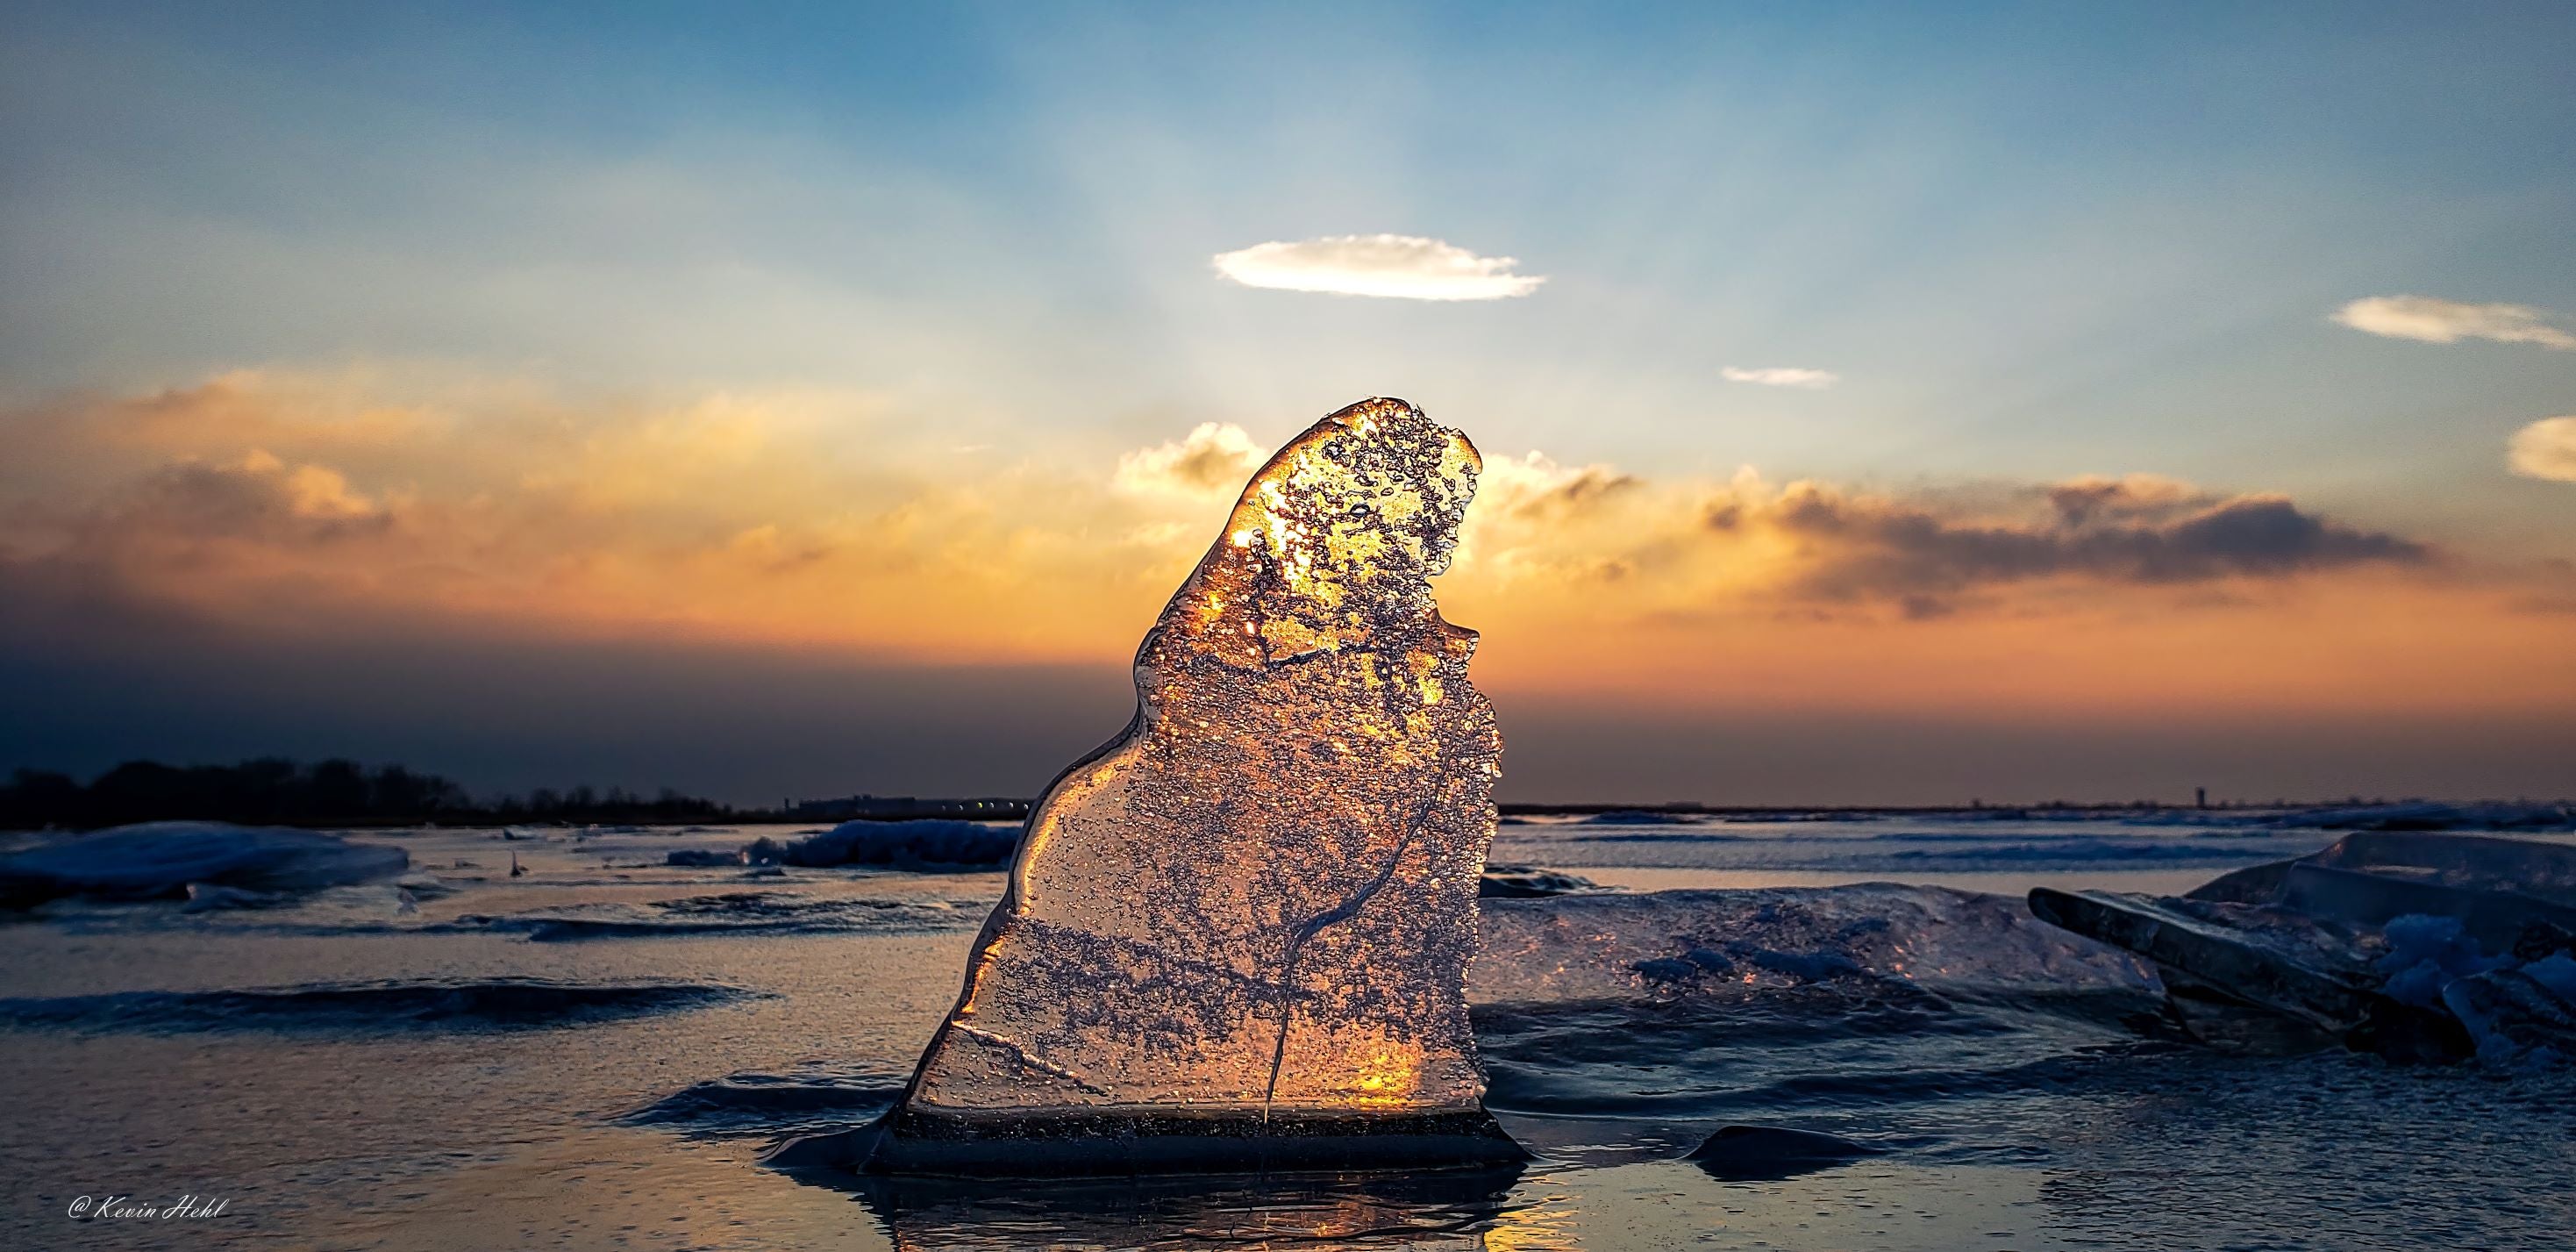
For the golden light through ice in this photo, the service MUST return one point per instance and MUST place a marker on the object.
(1257, 904)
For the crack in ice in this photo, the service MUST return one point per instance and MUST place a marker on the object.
(1028, 1058)
(1314, 926)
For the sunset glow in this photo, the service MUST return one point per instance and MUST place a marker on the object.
(1897, 406)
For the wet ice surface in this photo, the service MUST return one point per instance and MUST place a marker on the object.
(2017, 1108)
(1982, 853)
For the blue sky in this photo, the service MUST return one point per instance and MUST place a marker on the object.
(2032, 241)
(2038, 239)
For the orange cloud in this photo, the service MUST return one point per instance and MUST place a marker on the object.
(840, 521)
(1214, 460)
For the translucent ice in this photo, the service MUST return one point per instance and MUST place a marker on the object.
(2409, 944)
(1250, 915)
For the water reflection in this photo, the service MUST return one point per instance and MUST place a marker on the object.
(1463, 1209)
(1885, 1206)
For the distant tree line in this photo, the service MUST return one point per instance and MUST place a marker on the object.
(273, 791)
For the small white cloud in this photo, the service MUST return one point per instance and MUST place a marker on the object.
(1782, 376)
(2449, 321)
(1213, 458)
(2545, 449)
(1404, 267)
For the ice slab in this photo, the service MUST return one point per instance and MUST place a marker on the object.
(919, 844)
(1718, 945)
(2439, 865)
(1769, 1153)
(2497, 891)
(1529, 882)
(2313, 988)
(161, 859)
(2519, 1016)
(1236, 936)
(2413, 945)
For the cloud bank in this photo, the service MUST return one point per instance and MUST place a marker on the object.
(752, 517)
(2431, 320)
(2545, 449)
(1782, 376)
(303, 509)
(2115, 531)
(1814, 549)
(1404, 267)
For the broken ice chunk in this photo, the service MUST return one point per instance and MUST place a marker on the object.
(923, 843)
(1238, 934)
(157, 860)
(1529, 882)
(2425, 954)
(2416, 946)
(1607, 947)
(2411, 873)
(1772, 1153)
(2519, 1017)
(2200, 955)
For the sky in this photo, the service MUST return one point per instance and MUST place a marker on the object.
(1880, 404)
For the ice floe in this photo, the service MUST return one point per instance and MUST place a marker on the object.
(1668, 944)
(1751, 1153)
(2415, 946)
(1516, 882)
(920, 844)
(161, 859)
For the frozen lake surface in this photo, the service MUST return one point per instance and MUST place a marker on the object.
(591, 1056)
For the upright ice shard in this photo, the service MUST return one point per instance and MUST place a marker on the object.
(1237, 935)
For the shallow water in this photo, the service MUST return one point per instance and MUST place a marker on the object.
(423, 1088)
